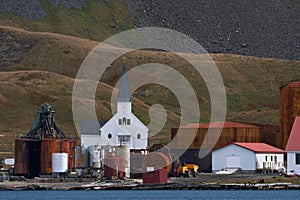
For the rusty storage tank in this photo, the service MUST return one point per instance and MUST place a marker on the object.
(68, 146)
(27, 157)
(21, 156)
(183, 138)
(114, 166)
(156, 160)
(48, 147)
(289, 109)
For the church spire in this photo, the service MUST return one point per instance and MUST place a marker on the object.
(124, 91)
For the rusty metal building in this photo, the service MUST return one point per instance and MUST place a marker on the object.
(188, 140)
(289, 109)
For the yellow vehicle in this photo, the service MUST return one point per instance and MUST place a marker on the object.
(188, 170)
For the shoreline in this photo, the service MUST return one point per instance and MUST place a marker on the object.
(199, 183)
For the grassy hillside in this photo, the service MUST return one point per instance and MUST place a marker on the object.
(40, 67)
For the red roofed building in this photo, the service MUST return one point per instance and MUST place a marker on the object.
(293, 148)
(248, 157)
(209, 136)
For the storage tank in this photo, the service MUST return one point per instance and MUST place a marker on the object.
(124, 152)
(289, 109)
(81, 157)
(95, 156)
(48, 147)
(114, 167)
(59, 162)
(21, 156)
(156, 161)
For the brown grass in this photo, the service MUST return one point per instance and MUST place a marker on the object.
(46, 74)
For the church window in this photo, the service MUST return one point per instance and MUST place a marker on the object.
(138, 136)
(124, 139)
(124, 121)
(109, 136)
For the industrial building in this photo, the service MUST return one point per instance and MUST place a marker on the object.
(289, 109)
(43, 147)
(248, 157)
(293, 148)
(230, 132)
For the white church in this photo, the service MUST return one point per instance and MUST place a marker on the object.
(123, 129)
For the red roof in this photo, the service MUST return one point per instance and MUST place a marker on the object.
(293, 143)
(259, 147)
(293, 84)
(219, 125)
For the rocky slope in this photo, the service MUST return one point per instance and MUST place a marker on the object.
(267, 28)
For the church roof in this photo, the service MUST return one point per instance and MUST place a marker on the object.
(124, 91)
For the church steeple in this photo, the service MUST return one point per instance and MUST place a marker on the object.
(124, 91)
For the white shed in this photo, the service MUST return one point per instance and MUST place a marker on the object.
(293, 148)
(247, 156)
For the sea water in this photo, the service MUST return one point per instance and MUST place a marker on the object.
(155, 194)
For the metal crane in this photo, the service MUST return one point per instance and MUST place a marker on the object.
(44, 124)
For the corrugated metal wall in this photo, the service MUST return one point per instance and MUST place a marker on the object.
(228, 135)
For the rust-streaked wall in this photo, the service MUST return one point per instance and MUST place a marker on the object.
(21, 156)
(289, 109)
(27, 157)
(185, 137)
(48, 146)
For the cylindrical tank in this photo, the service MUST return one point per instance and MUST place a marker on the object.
(81, 157)
(59, 162)
(289, 109)
(95, 156)
(124, 152)
(21, 156)
(114, 167)
(156, 161)
(48, 147)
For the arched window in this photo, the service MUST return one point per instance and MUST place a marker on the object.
(124, 121)
(109, 136)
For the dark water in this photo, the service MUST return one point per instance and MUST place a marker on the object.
(153, 194)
